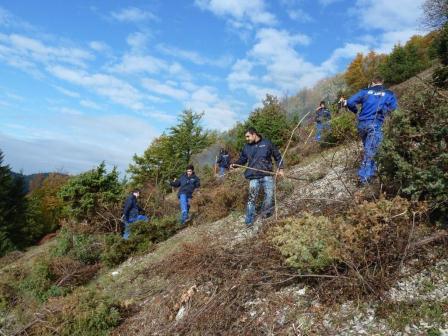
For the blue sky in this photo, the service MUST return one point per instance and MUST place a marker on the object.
(86, 81)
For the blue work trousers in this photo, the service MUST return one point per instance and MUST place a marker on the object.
(371, 134)
(320, 128)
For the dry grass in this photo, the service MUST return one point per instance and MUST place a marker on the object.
(213, 286)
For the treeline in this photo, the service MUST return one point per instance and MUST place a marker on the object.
(25, 217)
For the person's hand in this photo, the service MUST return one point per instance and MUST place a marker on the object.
(280, 173)
(232, 166)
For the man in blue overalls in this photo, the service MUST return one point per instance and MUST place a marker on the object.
(377, 102)
(322, 119)
(186, 183)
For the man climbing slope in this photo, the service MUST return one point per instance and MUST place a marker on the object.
(377, 102)
(322, 119)
(223, 161)
(187, 183)
(258, 153)
(131, 212)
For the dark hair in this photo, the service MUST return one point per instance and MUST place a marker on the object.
(136, 190)
(378, 79)
(252, 130)
(322, 102)
(190, 167)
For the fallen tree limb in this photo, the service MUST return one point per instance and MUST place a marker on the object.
(432, 238)
(272, 173)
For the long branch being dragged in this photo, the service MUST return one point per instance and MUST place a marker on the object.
(272, 173)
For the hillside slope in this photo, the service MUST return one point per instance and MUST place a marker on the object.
(215, 277)
(219, 278)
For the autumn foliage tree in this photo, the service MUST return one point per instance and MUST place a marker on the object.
(362, 69)
(44, 208)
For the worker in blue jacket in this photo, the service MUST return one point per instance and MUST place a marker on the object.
(187, 183)
(131, 212)
(223, 161)
(377, 102)
(258, 153)
(322, 119)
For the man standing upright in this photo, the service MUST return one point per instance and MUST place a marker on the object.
(186, 183)
(131, 212)
(322, 119)
(258, 153)
(377, 102)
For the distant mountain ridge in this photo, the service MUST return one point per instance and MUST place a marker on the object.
(33, 181)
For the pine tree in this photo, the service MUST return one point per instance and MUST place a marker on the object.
(12, 209)
(84, 195)
(168, 155)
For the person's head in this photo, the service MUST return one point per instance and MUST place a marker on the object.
(190, 170)
(377, 80)
(322, 104)
(136, 192)
(252, 135)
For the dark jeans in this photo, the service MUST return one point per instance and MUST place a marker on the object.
(267, 182)
(184, 201)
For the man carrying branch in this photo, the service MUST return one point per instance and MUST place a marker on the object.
(258, 153)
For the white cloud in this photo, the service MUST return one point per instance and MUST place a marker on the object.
(275, 51)
(135, 64)
(90, 104)
(249, 10)
(299, 15)
(88, 141)
(241, 73)
(37, 50)
(218, 114)
(396, 19)
(328, 2)
(349, 51)
(69, 111)
(7, 19)
(29, 54)
(194, 56)
(164, 89)
(99, 46)
(138, 41)
(179, 71)
(66, 92)
(108, 86)
(388, 15)
(133, 14)
(273, 65)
